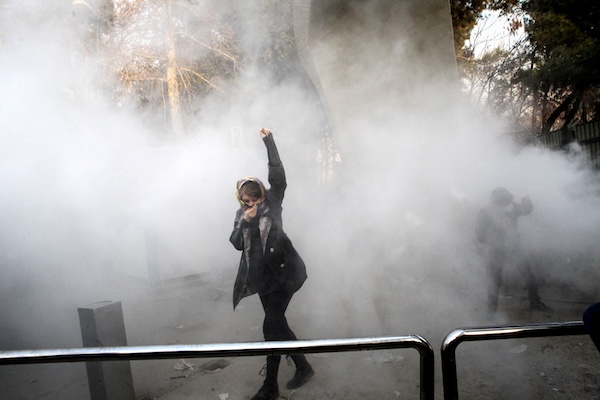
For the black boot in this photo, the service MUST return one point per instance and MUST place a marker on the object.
(540, 306)
(535, 303)
(492, 304)
(270, 389)
(267, 392)
(303, 372)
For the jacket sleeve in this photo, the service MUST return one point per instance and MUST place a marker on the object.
(276, 171)
(236, 238)
(526, 207)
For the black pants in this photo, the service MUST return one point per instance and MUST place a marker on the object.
(497, 259)
(275, 328)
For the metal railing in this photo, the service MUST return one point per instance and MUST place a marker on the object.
(456, 337)
(233, 350)
(249, 349)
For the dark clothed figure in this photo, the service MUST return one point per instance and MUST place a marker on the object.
(269, 264)
(496, 227)
(591, 320)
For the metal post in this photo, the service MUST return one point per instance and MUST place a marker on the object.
(102, 325)
(457, 336)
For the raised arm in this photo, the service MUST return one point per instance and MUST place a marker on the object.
(524, 208)
(276, 171)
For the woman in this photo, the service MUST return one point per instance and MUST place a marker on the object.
(269, 265)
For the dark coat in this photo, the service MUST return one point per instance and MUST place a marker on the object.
(280, 256)
(496, 226)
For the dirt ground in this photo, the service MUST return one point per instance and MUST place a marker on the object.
(200, 312)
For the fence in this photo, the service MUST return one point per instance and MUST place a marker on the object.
(586, 135)
(454, 338)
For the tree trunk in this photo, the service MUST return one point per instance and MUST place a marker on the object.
(172, 81)
(536, 97)
(574, 107)
(564, 106)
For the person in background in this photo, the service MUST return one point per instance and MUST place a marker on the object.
(591, 321)
(269, 265)
(496, 228)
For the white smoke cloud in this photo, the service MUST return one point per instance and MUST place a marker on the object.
(83, 185)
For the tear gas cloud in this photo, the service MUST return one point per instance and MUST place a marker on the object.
(84, 184)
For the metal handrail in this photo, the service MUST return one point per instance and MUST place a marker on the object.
(232, 350)
(457, 336)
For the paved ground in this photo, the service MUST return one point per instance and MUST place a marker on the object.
(200, 312)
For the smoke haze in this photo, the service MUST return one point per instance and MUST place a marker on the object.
(388, 241)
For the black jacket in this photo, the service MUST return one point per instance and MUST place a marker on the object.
(496, 226)
(279, 254)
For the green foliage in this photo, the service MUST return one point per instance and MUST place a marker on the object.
(550, 79)
(464, 18)
(565, 37)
